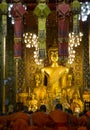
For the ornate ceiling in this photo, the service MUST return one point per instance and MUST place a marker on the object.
(32, 3)
(35, 1)
(51, 1)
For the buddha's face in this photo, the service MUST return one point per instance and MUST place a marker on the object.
(54, 56)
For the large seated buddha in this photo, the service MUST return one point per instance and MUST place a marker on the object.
(55, 78)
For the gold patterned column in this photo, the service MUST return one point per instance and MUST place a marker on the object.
(89, 42)
(89, 52)
(18, 12)
(16, 61)
(4, 72)
(3, 10)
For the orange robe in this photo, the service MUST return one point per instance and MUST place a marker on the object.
(42, 121)
(60, 119)
(73, 122)
(3, 122)
(18, 118)
(82, 120)
(82, 128)
(88, 113)
(32, 128)
(20, 124)
(18, 115)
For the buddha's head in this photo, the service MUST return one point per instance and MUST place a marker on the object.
(53, 53)
(54, 56)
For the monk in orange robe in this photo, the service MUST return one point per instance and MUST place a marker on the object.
(18, 115)
(60, 118)
(73, 122)
(42, 121)
(82, 120)
(3, 122)
(20, 124)
(88, 113)
(19, 118)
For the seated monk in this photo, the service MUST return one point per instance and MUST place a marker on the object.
(88, 119)
(19, 117)
(60, 118)
(82, 120)
(3, 122)
(73, 122)
(88, 114)
(42, 120)
(19, 124)
(43, 108)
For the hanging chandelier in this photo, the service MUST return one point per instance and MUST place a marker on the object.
(75, 39)
(85, 11)
(31, 40)
(71, 55)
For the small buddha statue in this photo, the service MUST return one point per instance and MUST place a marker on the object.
(32, 103)
(54, 75)
(39, 90)
(77, 102)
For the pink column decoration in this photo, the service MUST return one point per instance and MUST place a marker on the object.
(63, 12)
(18, 12)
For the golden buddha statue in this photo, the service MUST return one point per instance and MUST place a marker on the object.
(76, 100)
(55, 76)
(32, 102)
(22, 96)
(39, 90)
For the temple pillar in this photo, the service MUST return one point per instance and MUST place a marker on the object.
(89, 51)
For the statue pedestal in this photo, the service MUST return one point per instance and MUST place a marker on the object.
(23, 97)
